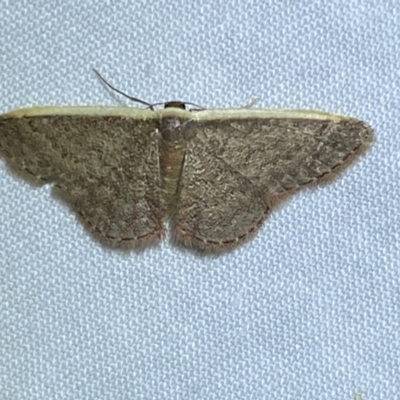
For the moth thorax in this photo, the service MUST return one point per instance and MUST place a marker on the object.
(172, 153)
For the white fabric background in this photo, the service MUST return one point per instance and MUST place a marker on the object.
(310, 309)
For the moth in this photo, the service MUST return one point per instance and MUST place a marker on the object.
(216, 174)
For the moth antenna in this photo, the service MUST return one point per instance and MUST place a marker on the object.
(151, 106)
(251, 103)
(122, 93)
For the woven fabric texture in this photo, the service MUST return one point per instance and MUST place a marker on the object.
(309, 309)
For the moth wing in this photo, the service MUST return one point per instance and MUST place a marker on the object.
(282, 155)
(106, 168)
(235, 170)
(217, 207)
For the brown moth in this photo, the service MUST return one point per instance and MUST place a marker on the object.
(216, 174)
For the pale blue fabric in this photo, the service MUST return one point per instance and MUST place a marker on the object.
(310, 309)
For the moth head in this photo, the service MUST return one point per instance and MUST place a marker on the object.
(175, 104)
